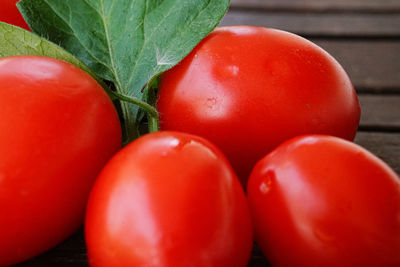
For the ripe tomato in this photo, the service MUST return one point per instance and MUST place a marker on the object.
(168, 199)
(9, 13)
(247, 89)
(57, 129)
(324, 201)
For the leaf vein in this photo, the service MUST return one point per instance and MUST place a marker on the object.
(75, 36)
(144, 44)
(110, 49)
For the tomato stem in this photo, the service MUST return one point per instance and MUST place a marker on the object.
(154, 124)
(129, 126)
(153, 117)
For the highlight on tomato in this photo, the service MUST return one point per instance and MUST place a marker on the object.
(9, 13)
(247, 89)
(168, 199)
(324, 201)
(58, 128)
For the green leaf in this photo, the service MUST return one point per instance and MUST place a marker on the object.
(125, 41)
(15, 41)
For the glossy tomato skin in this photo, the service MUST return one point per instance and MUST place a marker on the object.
(168, 199)
(324, 201)
(247, 89)
(57, 129)
(9, 13)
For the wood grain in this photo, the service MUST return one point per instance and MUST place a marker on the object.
(321, 5)
(321, 25)
(380, 112)
(372, 66)
(384, 145)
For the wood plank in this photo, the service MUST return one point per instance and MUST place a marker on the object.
(321, 25)
(380, 112)
(384, 145)
(372, 65)
(320, 5)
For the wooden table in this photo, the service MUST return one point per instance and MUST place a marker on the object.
(363, 35)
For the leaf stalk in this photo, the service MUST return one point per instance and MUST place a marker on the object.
(153, 116)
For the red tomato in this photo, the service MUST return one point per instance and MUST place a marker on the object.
(168, 199)
(57, 129)
(9, 13)
(324, 201)
(247, 89)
